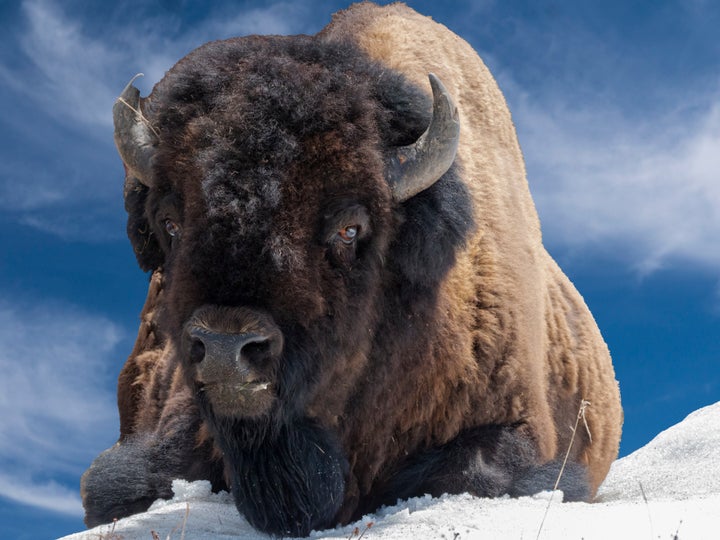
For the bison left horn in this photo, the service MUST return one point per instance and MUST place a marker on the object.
(135, 138)
(416, 167)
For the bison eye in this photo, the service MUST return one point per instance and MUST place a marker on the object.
(172, 228)
(348, 234)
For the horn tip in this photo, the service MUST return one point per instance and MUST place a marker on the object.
(436, 83)
(439, 91)
(130, 92)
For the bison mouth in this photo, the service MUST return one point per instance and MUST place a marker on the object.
(238, 398)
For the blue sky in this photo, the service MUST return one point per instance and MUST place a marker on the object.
(617, 106)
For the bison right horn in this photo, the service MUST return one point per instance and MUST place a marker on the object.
(135, 138)
(418, 166)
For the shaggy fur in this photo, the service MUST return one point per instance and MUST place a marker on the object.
(438, 350)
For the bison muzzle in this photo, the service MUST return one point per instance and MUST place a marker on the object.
(350, 301)
(232, 356)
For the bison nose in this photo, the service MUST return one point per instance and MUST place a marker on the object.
(239, 352)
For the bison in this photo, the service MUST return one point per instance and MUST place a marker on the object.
(350, 301)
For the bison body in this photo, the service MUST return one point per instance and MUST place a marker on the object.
(347, 306)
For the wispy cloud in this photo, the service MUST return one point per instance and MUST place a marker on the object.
(56, 400)
(61, 172)
(75, 75)
(71, 71)
(643, 185)
(48, 496)
(618, 116)
(646, 187)
(281, 18)
(226, 21)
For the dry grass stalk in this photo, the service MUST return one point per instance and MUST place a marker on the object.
(181, 525)
(111, 534)
(138, 111)
(647, 506)
(584, 404)
(677, 532)
(356, 531)
(184, 525)
(366, 529)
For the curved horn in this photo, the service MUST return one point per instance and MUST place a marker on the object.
(418, 166)
(134, 136)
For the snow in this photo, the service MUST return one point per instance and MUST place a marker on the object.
(669, 489)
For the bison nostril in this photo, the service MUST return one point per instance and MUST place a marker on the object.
(197, 351)
(204, 346)
(256, 351)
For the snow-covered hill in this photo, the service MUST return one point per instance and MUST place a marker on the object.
(670, 489)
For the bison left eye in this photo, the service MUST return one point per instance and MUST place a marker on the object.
(348, 234)
(346, 229)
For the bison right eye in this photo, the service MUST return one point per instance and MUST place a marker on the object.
(172, 228)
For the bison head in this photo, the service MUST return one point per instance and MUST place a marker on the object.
(282, 185)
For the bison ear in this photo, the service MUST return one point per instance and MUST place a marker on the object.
(416, 167)
(147, 250)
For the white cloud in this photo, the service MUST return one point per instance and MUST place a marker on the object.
(49, 496)
(91, 225)
(71, 76)
(75, 75)
(643, 186)
(646, 187)
(73, 69)
(282, 18)
(16, 195)
(56, 399)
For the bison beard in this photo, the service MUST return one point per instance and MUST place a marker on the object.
(287, 473)
(350, 301)
(286, 483)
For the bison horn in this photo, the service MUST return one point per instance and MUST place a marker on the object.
(418, 166)
(135, 138)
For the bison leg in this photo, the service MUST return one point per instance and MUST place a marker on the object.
(121, 482)
(286, 483)
(488, 462)
(126, 478)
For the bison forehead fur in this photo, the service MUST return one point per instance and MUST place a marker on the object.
(311, 340)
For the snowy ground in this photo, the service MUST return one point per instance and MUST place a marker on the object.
(679, 472)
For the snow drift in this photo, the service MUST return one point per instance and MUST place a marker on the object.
(669, 489)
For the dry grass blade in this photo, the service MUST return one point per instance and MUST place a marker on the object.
(138, 112)
(584, 404)
(111, 534)
(181, 526)
(366, 529)
(356, 531)
(581, 415)
(184, 525)
(140, 115)
(647, 506)
(676, 536)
